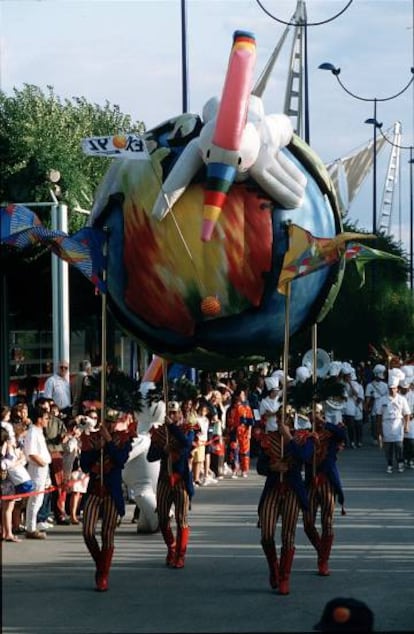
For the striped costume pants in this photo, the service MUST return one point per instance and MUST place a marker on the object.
(279, 501)
(95, 507)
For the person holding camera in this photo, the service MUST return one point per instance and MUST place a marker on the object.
(104, 452)
(172, 443)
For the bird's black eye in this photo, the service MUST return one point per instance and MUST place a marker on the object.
(208, 154)
(239, 160)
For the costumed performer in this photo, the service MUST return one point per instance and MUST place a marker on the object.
(172, 443)
(104, 453)
(324, 486)
(280, 460)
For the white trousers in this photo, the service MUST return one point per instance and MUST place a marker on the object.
(40, 476)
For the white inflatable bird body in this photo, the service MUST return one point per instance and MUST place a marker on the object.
(237, 141)
(259, 156)
(140, 475)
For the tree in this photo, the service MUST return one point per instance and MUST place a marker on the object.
(40, 134)
(380, 311)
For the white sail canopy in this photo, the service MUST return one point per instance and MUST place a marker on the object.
(349, 172)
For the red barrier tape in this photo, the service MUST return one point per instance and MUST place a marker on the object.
(18, 496)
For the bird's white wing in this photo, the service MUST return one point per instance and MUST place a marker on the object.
(181, 175)
(273, 170)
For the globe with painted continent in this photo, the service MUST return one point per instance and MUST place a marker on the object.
(214, 304)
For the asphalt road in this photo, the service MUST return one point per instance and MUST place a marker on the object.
(48, 586)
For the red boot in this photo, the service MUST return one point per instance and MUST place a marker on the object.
(324, 552)
(313, 536)
(170, 542)
(103, 571)
(182, 541)
(286, 560)
(93, 547)
(269, 550)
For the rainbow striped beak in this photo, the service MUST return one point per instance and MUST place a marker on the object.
(230, 124)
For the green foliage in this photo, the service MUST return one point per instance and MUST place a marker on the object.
(380, 310)
(39, 132)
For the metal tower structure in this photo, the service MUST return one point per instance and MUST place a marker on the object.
(391, 181)
(294, 104)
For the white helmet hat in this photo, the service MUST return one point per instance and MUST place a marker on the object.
(408, 372)
(393, 380)
(303, 373)
(379, 370)
(397, 372)
(334, 368)
(272, 383)
(346, 368)
(281, 376)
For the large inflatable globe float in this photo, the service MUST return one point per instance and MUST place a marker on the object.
(195, 253)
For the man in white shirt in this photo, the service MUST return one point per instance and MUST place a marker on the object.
(38, 461)
(57, 388)
(392, 422)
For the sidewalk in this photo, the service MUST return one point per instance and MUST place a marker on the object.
(48, 586)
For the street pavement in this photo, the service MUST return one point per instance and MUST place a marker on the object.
(48, 585)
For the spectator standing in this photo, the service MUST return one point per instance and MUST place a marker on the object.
(39, 459)
(56, 435)
(240, 420)
(392, 421)
(75, 480)
(80, 387)
(199, 451)
(349, 408)
(57, 387)
(216, 413)
(7, 487)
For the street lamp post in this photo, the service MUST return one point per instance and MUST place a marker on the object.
(411, 161)
(373, 121)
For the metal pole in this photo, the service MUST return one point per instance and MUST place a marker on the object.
(184, 54)
(60, 292)
(103, 350)
(411, 219)
(4, 340)
(285, 366)
(374, 174)
(306, 82)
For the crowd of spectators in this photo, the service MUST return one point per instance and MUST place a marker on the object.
(227, 410)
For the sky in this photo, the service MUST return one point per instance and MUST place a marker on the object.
(130, 53)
